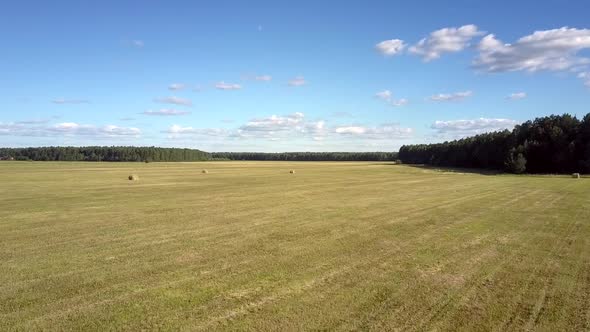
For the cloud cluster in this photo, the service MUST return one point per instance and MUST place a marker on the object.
(70, 101)
(390, 47)
(516, 96)
(462, 128)
(174, 100)
(264, 78)
(446, 40)
(384, 95)
(176, 86)
(165, 112)
(68, 129)
(294, 126)
(297, 81)
(387, 96)
(585, 76)
(457, 96)
(227, 86)
(548, 50)
(387, 131)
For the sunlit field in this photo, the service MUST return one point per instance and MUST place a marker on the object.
(250, 246)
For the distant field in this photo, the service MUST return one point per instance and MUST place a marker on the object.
(248, 246)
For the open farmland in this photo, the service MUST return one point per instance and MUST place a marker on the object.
(249, 246)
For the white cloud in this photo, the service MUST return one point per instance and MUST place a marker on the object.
(166, 112)
(68, 129)
(274, 123)
(548, 50)
(177, 131)
(386, 131)
(174, 100)
(516, 96)
(461, 128)
(227, 86)
(390, 47)
(70, 101)
(585, 76)
(387, 96)
(298, 81)
(176, 86)
(32, 121)
(447, 40)
(356, 130)
(457, 96)
(384, 95)
(264, 78)
(399, 102)
(293, 128)
(137, 43)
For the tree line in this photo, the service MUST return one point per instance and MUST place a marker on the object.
(551, 144)
(307, 156)
(130, 153)
(103, 153)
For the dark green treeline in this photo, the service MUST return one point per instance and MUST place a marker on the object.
(130, 153)
(552, 144)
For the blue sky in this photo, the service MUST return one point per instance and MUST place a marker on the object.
(285, 76)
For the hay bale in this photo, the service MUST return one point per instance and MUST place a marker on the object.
(576, 175)
(204, 171)
(292, 171)
(133, 177)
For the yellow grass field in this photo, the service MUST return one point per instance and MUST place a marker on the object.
(249, 246)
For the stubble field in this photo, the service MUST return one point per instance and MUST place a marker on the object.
(248, 246)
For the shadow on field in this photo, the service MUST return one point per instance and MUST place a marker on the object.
(479, 171)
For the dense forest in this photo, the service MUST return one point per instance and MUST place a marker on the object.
(308, 156)
(552, 144)
(102, 153)
(129, 153)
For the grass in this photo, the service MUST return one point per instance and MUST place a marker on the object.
(336, 246)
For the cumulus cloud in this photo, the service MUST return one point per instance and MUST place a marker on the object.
(516, 96)
(399, 102)
(585, 76)
(70, 101)
(548, 50)
(174, 100)
(227, 86)
(298, 81)
(457, 96)
(293, 127)
(165, 112)
(177, 131)
(274, 123)
(176, 86)
(447, 40)
(264, 78)
(390, 47)
(387, 96)
(68, 129)
(384, 95)
(386, 131)
(32, 121)
(461, 128)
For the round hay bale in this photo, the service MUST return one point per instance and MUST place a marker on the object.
(204, 171)
(576, 175)
(292, 171)
(133, 177)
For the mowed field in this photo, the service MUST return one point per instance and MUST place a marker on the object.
(248, 246)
